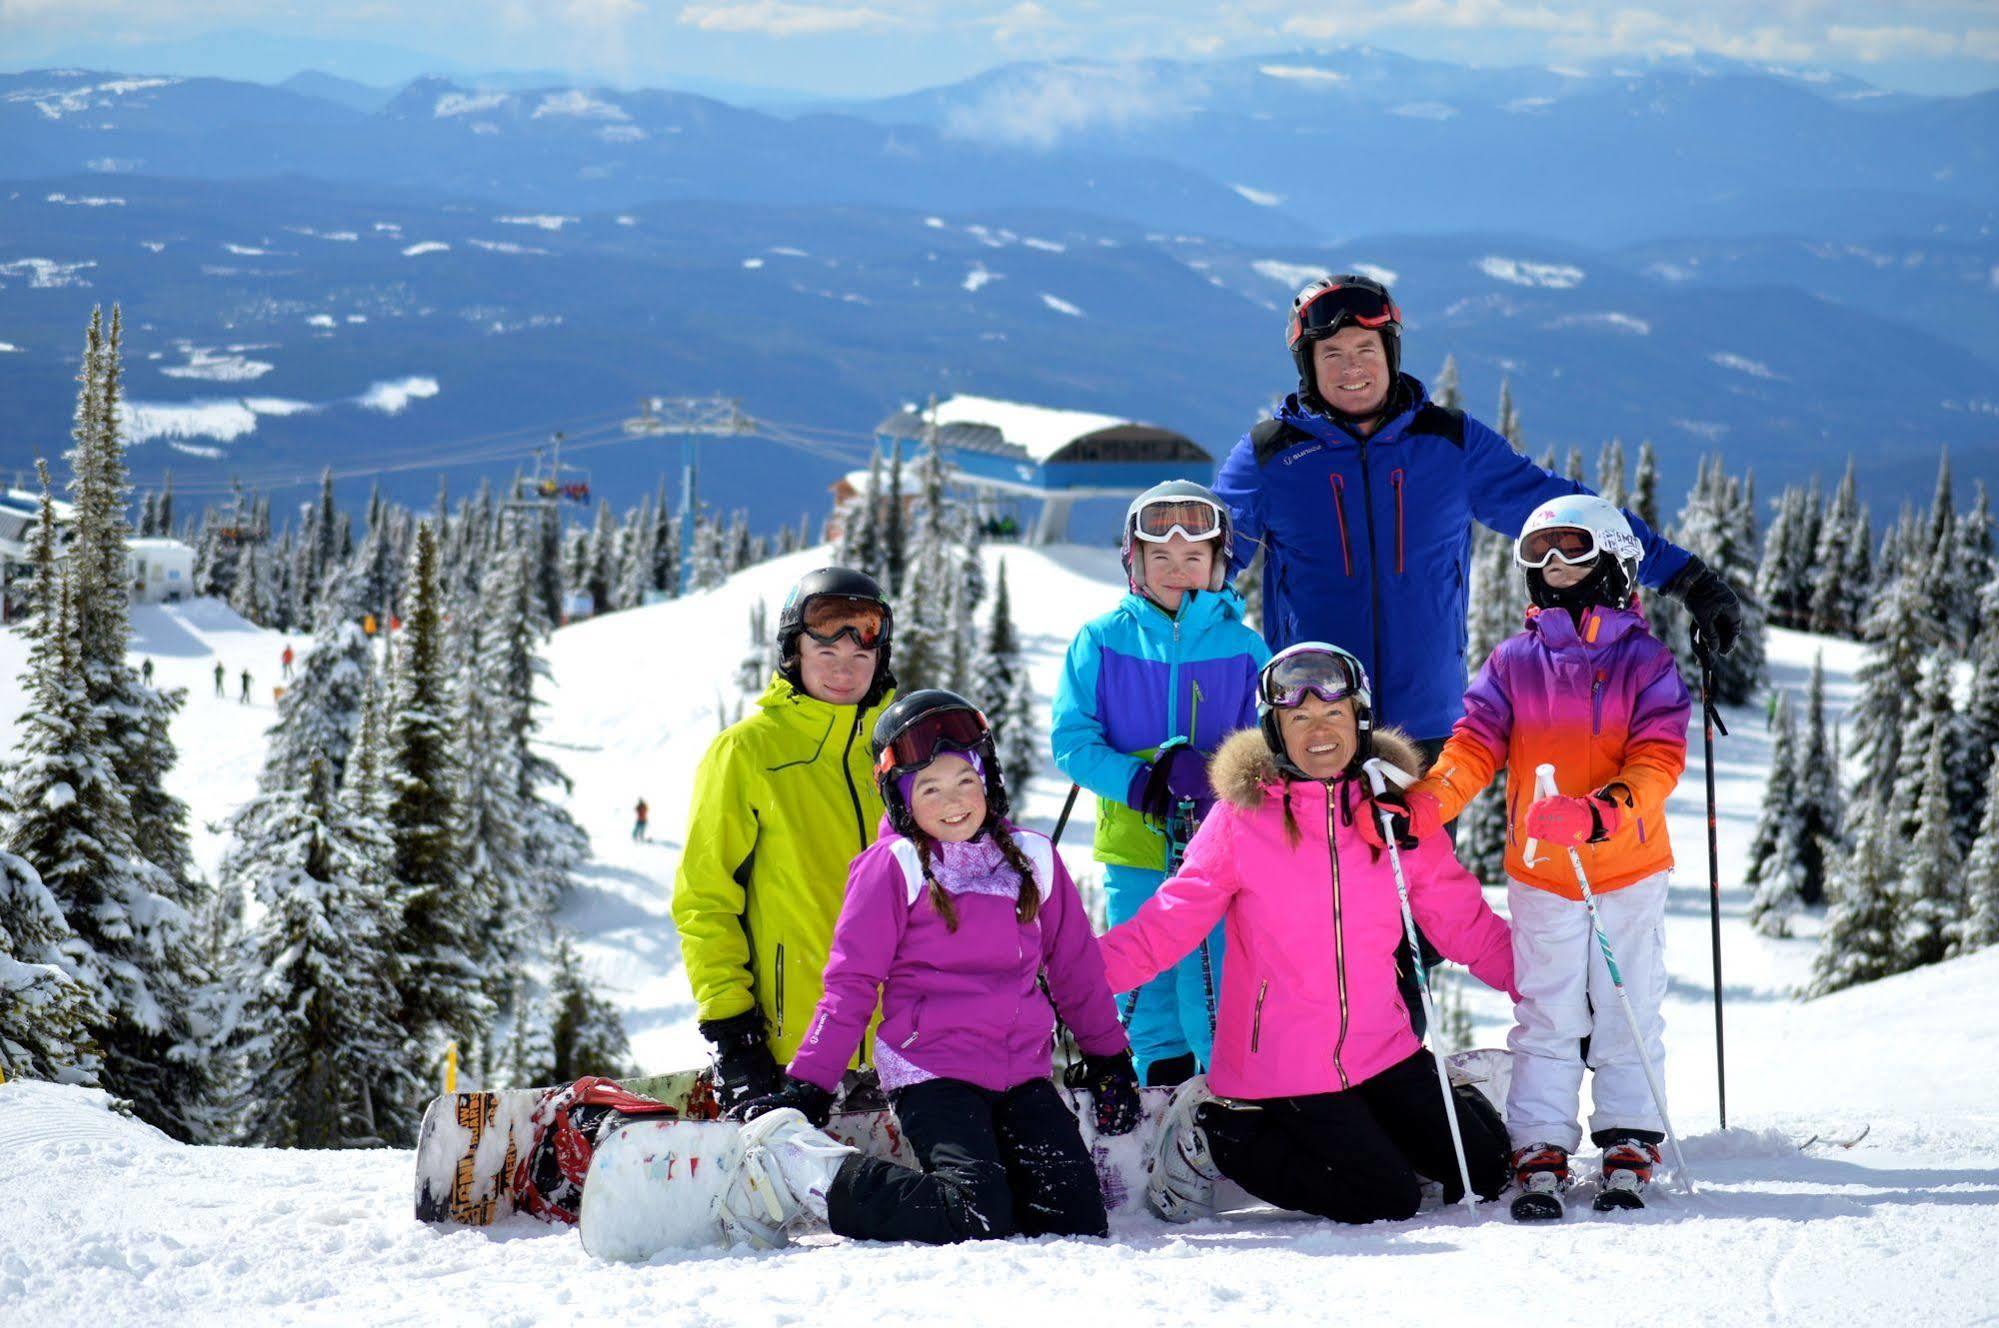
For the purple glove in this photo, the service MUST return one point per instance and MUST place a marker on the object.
(1178, 772)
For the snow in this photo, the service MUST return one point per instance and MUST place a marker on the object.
(1060, 305)
(577, 104)
(1302, 74)
(391, 398)
(106, 1213)
(1260, 197)
(753, 264)
(320, 320)
(1554, 276)
(1045, 246)
(546, 221)
(1386, 276)
(224, 420)
(1743, 364)
(45, 273)
(979, 276)
(467, 103)
(426, 247)
(505, 247)
(214, 366)
(1293, 276)
(90, 201)
(1610, 322)
(8, 348)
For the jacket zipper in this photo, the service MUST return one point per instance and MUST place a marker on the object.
(1373, 576)
(1194, 713)
(1256, 1024)
(780, 990)
(847, 769)
(1512, 806)
(915, 1026)
(1596, 705)
(1340, 511)
(1339, 942)
(1395, 480)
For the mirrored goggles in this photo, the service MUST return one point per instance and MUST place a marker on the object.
(1336, 306)
(924, 737)
(1321, 673)
(1574, 545)
(1189, 518)
(830, 617)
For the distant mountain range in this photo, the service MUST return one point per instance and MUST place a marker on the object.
(330, 272)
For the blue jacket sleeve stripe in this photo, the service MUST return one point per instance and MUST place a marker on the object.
(1077, 733)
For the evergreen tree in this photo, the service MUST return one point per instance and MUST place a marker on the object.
(314, 1023)
(1017, 739)
(1645, 485)
(861, 527)
(600, 568)
(635, 562)
(1968, 568)
(1772, 867)
(1858, 943)
(1981, 876)
(1981, 711)
(586, 1035)
(1509, 418)
(895, 544)
(441, 997)
(1713, 527)
(1842, 569)
(999, 660)
(1612, 479)
(251, 595)
(48, 1019)
(1445, 391)
(1930, 893)
(1888, 682)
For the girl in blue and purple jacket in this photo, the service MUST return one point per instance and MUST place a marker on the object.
(968, 927)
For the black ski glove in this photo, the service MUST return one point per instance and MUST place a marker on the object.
(1113, 1085)
(1712, 602)
(811, 1099)
(744, 1067)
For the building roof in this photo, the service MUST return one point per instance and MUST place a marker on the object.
(159, 544)
(1010, 428)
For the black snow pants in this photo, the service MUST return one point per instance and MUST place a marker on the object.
(994, 1165)
(1357, 1155)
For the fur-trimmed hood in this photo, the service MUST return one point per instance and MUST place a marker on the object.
(1243, 768)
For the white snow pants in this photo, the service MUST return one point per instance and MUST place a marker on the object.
(1566, 995)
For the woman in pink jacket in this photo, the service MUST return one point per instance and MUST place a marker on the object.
(954, 916)
(1320, 1097)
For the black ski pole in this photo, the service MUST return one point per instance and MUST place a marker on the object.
(1710, 721)
(1062, 822)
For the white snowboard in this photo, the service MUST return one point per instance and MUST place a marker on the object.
(655, 1185)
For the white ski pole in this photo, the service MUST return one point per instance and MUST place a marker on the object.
(1544, 787)
(1378, 776)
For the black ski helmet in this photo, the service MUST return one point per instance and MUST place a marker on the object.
(1324, 307)
(1350, 680)
(837, 583)
(914, 730)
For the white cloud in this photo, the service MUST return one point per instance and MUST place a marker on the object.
(1426, 110)
(1553, 276)
(1060, 305)
(1025, 22)
(1292, 276)
(1435, 14)
(1047, 103)
(1743, 364)
(1260, 197)
(979, 276)
(1302, 74)
(775, 18)
(427, 247)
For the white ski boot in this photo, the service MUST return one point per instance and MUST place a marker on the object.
(780, 1180)
(1181, 1187)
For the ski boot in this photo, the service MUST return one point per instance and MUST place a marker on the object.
(781, 1178)
(1540, 1178)
(1181, 1187)
(1628, 1160)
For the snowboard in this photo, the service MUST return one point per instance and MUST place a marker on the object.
(471, 1144)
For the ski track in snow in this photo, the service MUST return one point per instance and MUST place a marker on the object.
(111, 1223)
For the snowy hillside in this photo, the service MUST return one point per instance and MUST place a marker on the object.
(112, 1223)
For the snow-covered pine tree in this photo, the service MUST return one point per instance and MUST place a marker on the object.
(1980, 927)
(322, 1060)
(636, 561)
(1613, 482)
(600, 569)
(860, 525)
(1574, 467)
(48, 1019)
(894, 536)
(1858, 943)
(999, 658)
(149, 514)
(1784, 580)
(1981, 710)
(1645, 485)
(251, 595)
(710, 564)
(972, 557)
(1018, 739)
(1817, 807)
(1929, 897)
(736, 544)
(1889, 680)
(586, 1034)
(760, 659)
(1772, 866)
(1509, 418)
(441, 994)
(1445, 391)
(1842, 567)
(1969, 567)
(150, 1054)
(1712, 526)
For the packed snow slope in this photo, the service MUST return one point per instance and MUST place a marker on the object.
(111, 1223)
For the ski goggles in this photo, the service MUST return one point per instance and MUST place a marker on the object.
(1330, 675)
(1336, 306)
(864, 620)
(1574, 545)
(1189, 518)
(920, 742)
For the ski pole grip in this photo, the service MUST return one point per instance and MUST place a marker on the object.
(1544, 787)
(1380, 775)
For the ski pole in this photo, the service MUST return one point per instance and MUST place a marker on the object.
(1544, 787)
(1062, 822)
(1710, 721)
(1378, 776)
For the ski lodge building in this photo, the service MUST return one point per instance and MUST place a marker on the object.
(1008, 452)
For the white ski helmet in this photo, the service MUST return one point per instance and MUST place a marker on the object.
(1580, 528)
(1178, 507)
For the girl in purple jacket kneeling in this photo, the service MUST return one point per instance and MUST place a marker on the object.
(1320, 1098)
(954, 915)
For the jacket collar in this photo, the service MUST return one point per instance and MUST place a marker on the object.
(1601, 626)
(783, 700)
(1408, 389)
(1199, 611)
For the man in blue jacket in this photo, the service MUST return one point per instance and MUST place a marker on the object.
(1361, 491)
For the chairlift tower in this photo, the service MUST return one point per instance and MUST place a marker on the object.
(689, 419)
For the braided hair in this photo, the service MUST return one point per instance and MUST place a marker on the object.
(1026, 904)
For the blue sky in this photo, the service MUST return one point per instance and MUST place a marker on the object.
(873, 47)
